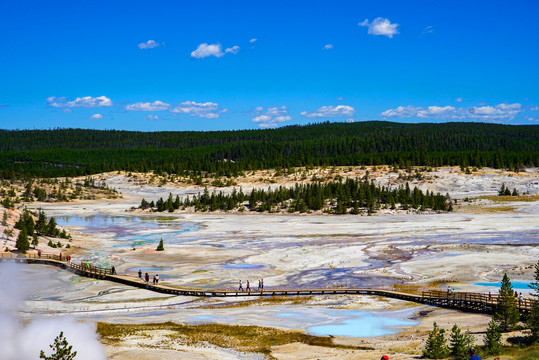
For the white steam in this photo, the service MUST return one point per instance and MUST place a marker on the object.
(20, 341)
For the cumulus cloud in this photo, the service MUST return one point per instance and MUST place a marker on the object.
(233, 50)
(328, 47)
(380, 26)
(83, 102)
(96, 117)
(206, 110)
(147, 106)
(253, 40)
(330, 111)
(150, 44)
(535, 108)
(271, 117)
(458, 99)
(205, 50)
(152, 117)
(486, 113)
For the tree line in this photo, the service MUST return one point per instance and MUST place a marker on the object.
(78, 152)
(336, 197)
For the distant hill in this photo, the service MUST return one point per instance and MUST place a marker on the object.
(74, 152)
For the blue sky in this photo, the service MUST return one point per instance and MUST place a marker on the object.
(211, 65)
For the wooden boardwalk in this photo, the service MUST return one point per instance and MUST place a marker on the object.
(464, 301)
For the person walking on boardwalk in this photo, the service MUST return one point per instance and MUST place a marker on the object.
(241, 287)
(154, 282)
(147, 278)
(140, 273)
(262, 284)
(248, 287)
(113, 270)
(156, 278)
(39, 253)
(259, 284)
(471, 352)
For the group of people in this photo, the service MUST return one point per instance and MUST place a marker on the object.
(66, 257)
(147, 277)
(248, 285)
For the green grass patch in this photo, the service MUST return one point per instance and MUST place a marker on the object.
(495, 198)
(241, 338)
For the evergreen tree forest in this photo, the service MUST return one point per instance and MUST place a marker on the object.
(336, 197)
(78, 152)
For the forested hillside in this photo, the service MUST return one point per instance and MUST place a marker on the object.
(75, 152)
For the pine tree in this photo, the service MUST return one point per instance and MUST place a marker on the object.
(506, 313)
(62, 350)
(436, 347)
(160, 247)
(460, 343)
(493, 339)
(4, 219)
(35, 240)
(41, 222)
(22, 243)
(8, 233)
(533, 317)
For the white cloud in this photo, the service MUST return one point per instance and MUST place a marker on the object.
(206, 110)
(147, 106)
(233, 50)
(535, 108)
(498, 112)
(330, 111)
(253, 40)
(380, 26)
(428, 30)
(204, 50)
(340, 98)
(83, 102)
(328, 47)
(458, 99)
(152, 117)
(150, 44)
(272, 117)
(96, 117)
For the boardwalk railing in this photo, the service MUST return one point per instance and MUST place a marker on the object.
(84, 268)
(471, 301)
(465, 301)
